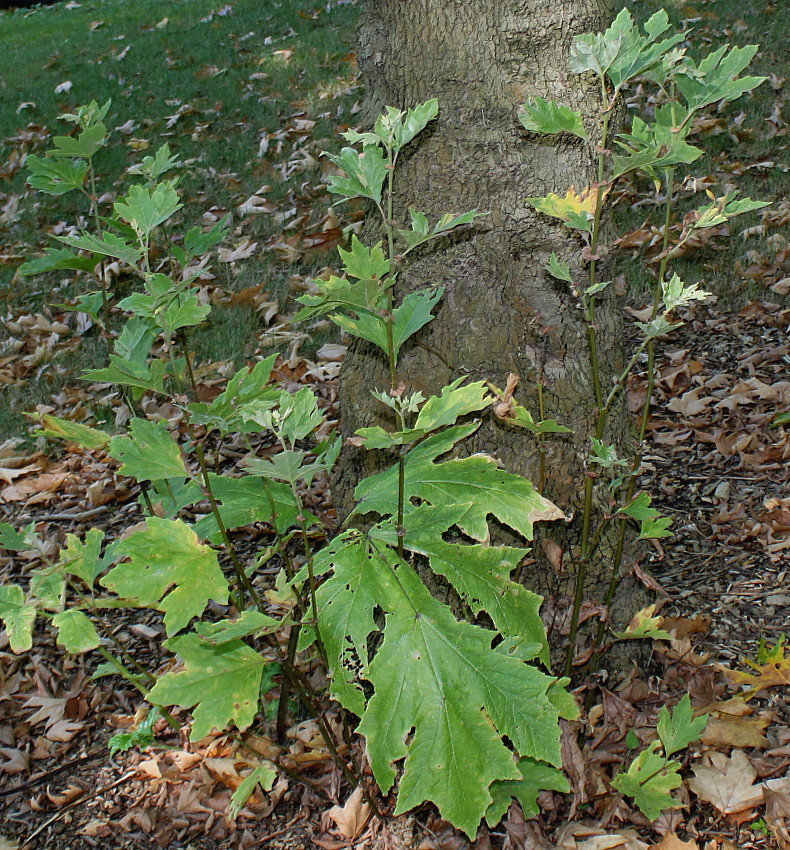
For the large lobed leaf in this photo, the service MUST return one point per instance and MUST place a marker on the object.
(223, 681)
(474, 481)
(446, 710)
(168, 569)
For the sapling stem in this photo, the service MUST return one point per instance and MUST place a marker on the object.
(582, 563)
(617, 560)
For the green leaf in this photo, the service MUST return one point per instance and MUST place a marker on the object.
(243, 501)
(264, 775)
(47, 587)
(76, 633)
(247, 385)
(723, 209)
(146, 207)
(300, 414)
(449, 695)
(420, 229)
(415, 121)
(364, 263)
(246, 624)
(55, 177)
(536, 776)
(83, 558)
(456, 400)
(57, 260)
(558, 269)
(141, 737)
(198, 242)
(149, 454)
(153, 167)
(480, 574)
(341, 293)
(223, 682)
(171, 307)
(475, 481)
(652, 524)
(168, 569)
(170, 495)
(287, 465)
(125, 373)
(545, 116)
(14, 541)
(73, 432)
(108, 245)
(716, 77)
(649, 780)
(366, 172)
(17, 617)
(413, 313)
(622, 52)
(369, 327)
(376, 437)
(83, 146)
(680, 728)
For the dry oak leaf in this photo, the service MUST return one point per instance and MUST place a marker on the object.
(690, 404)
(727, 783)
(728, 731)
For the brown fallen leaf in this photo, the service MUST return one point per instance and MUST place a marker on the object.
(671, 842)
(351, 818)
(735, 732)
(777, 815)
(727, 783)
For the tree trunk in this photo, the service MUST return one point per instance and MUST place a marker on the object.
(501, 311)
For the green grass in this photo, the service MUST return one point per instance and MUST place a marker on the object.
(237, 77)
(713, 23)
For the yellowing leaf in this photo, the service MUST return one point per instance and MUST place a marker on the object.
(574, 207)
(168, 569)
(222, 681)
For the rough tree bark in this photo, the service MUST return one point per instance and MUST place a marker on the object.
(501, 311)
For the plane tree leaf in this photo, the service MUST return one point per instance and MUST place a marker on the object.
(76, 633)
(480, 574)
(55, 177)
(457, 695)
(648, 781)
(474, 481)
(74, 432)
(107, 245)
(82, 558)
(17, 616)
(222, 682)
(168, 569)
(58, 259)
(149, 453)
(146, 207)
(250, 499)
(679, 728)
(535, 777)
(539, 115)
(365, 172)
